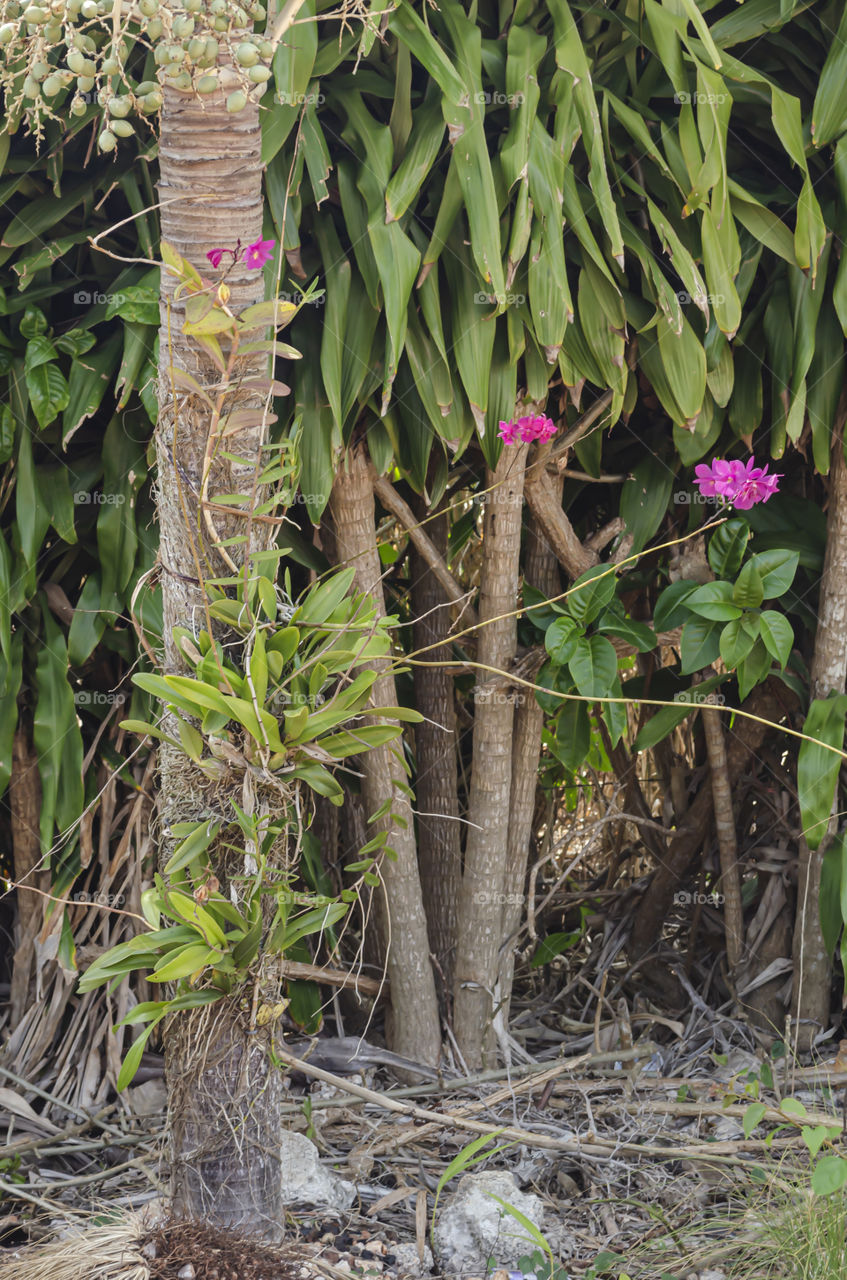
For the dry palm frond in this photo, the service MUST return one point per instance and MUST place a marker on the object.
(110, 1251)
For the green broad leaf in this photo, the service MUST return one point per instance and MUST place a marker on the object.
(353, 742)
(199, 840)
(89, 378)
(644, 500)
(638, 634)
(684, 362)
(833, 877)
(700, 644)
(323, 599)
(727, 546)
(829, 1175)
(306, 925)
(817, 767)
(815, 1136)
(555, 944)
(560, 640)
(573, 734)
(778, 635)
(132, 1061)
(182, 907)
(671, 609)
(714, 600)
(215, 321)
(753, 669)
(261, 314)
(752, 1117)
(184, 962)
(320, 780)
(56, 735)
(829, 112)
(736, 642)
(136, 303)
(749, 588)
(777, 569)
(591, 593)
(594, 666)
(48, 391)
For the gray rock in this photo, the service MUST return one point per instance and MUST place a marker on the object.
(304, 1178)
(407, 1262)
(472, 1227)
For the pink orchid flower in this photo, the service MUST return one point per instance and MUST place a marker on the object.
(215, 255)
(739, 484)
(258, 253)
(526, 429)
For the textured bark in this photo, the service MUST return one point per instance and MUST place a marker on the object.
(425, 544)
(733, 911)
(486, 854)
(546, 505)
(413, 1023)
(541, 572)
(812, 965)
(25, 809)
(436, 782)
(223, 1090)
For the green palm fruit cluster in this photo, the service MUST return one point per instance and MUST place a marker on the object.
(61, 58)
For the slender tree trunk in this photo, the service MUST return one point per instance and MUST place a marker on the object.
(812, 964)
(413, 1025)
(733, 911)
(436, 780)
(542, 572)
(223, 1091)
(695, 825)
(486, 854)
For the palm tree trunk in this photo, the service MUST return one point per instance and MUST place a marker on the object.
(436, 780)
(542, 572)
(413, 1023)
(223, 1091)
(486, 854)
(812, 964)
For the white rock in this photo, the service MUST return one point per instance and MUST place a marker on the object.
(472, 1227)
(407, 1261)
(304, 1178)
(147, 1099)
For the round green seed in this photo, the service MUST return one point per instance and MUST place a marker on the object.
(107, 141)
(207, 84)
(85, 83)
(8, 31)
(247, 55)
(155, 29)
(35, 15)
(120, 107)
(122, 128)
(51, 86)
(78, 107)
(150, 103)
(236, 101)
(259, 74)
